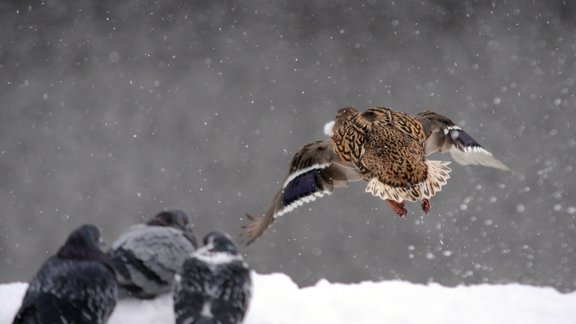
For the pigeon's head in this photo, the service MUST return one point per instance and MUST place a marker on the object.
(220, 242)
(173, 218)
(178, 219)
(83, 243)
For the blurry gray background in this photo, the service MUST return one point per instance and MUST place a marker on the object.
(113, 110)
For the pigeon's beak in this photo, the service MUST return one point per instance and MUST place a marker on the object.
(328, 128)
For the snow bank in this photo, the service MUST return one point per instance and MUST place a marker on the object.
(278, 300)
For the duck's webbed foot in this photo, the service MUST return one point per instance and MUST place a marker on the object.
(426, 205)
(397, 207)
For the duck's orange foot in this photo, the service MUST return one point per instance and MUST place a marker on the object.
(397, 207)
(426, 205)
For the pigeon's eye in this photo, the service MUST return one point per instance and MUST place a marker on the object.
(224, 247)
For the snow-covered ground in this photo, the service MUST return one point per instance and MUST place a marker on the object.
(277, 300)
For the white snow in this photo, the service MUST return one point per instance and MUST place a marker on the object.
(277, 299)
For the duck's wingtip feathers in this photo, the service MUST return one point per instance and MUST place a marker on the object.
(251, 218)
(497, 164)
(478, 156)
(504, 167)
(254, 229)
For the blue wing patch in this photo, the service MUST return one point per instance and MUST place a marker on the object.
(300, 187)
(466, 140)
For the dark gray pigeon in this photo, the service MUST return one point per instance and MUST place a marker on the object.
(77, 285)
(147, 256)
(215, 284)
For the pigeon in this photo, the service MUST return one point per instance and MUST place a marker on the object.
(383, 147)
(147, 256)
(77, 285)
(215, 284)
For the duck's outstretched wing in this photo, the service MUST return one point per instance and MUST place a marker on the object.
(445, 136)
(314, 172)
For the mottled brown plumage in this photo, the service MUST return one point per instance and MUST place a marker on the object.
(387, 149)
(382, 144)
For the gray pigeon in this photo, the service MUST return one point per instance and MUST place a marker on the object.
(215, 284)
(77, 285)
(147, 256)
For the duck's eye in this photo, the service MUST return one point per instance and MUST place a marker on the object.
(369, 115)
